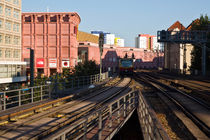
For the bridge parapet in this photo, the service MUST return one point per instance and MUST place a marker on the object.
(151, 127)
(103, 123)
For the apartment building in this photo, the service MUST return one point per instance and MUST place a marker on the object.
(11, 67)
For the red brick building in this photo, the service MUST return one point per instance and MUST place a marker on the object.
(53, 36)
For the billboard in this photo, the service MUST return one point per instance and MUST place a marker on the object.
(65, 64)
(53, 63)
(40, 62)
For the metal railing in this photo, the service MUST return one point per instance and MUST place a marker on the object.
(102, 119)
(19, 97)
(77, 82)
(14, 98)
(151, 128)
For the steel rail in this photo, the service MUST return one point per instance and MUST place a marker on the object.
(159, 86)
(51, 112)
(81, 114)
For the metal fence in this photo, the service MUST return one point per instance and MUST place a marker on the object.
(77, 82)
(14, 98)
(151, 128)
(100, 120)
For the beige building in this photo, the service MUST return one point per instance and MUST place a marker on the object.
(177, 57)
(11, 67)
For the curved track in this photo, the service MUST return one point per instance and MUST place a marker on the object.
(47, 122)
(196, 110)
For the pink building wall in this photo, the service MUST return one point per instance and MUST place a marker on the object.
(53, 36)
(111, 55)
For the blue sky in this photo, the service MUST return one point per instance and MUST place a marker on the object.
(125, 18)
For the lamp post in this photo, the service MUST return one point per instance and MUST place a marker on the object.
(101, 44)
(31, 67)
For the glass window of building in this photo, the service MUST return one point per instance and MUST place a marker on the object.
(7, 53)
(8, 25)
(16, 27)
(16, 14)
(1, 9)
(16, 53)
(16, 2)
(1, 23)
(16, 40)
(8, 11)
(1, 52)
(1, 38)
(8, 0)
(3, 71)
(7, 39)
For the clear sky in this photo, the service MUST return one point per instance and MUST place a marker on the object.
(125, 18)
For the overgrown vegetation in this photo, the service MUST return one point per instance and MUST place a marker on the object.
(202, 24)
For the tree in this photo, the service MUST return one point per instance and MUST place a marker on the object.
(203, 25)
(88, 68)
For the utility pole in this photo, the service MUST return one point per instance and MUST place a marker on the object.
(101, 44)
(204, 60)
(31, 67)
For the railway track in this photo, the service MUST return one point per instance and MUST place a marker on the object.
(49, 121)
(195, 109)
(197, 89)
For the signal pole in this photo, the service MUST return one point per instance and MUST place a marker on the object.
(101, 44)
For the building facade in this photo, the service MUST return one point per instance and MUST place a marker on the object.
(148, 42)
(53, 37)
(11, 67)
(177, 55)
(89, 50)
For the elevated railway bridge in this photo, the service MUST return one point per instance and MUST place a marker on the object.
(89, 112)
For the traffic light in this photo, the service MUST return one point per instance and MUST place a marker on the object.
(101, 42)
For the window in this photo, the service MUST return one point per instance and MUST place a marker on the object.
(16, 40)
(8, 25)
(7, 39)
(75, 29)
(1, 9)
(16, 2)
(28, 19)
(16, 27)
(16, 14)
(8, 0)
(8, 11)
(53, 19)
(7, 53)
(1, 23)
(40, 19)
(66, 18)
(114, 59)
(1, 38)
(16, 53)
(0, 52)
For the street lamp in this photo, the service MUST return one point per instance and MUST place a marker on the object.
(31, 67)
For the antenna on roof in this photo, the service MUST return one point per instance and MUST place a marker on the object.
(48, 9)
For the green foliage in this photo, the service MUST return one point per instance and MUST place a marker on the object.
(202, 25)
(88, 68)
